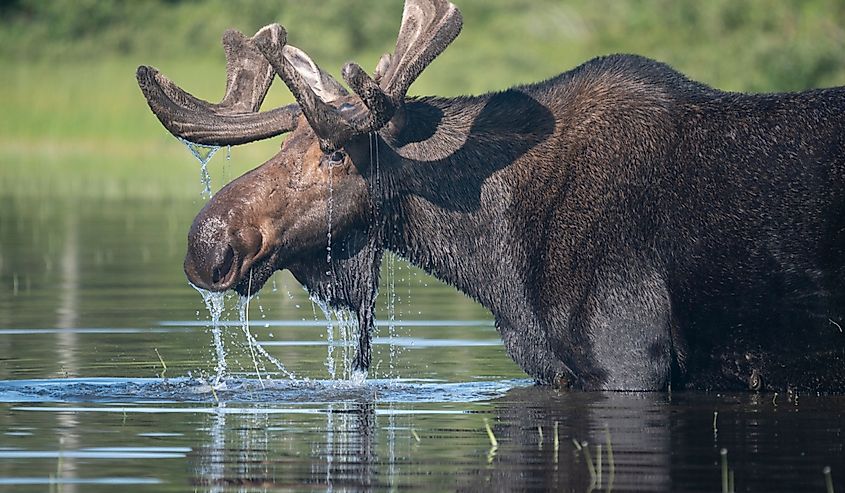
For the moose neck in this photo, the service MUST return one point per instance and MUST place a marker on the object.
(457, 170)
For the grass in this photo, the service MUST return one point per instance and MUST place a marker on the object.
(494, 443)
(595, 469)
(163, 364)
(95, 136)
(727, 473)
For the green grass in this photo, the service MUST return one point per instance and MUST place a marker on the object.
(73, 121)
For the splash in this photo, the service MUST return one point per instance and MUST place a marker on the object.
(330, 363)
(345, 323)
(357, 377)
(215, 303)
(203, 154)
(243, 312)
(255, 348)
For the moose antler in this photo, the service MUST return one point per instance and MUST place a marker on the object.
(428, 27)
(235, 120)
(325, 103)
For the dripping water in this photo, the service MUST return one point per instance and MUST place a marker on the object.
(203, 154)
(243, 312)
(376, 208)
(391, 261)
(329, 213)
(215, 304)
(345, 323)
(391, 311)
(330, 362)
(255, 348)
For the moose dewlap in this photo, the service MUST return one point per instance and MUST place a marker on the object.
(628, 228)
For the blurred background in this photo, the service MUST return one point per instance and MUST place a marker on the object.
(73, 122)
(96, 197)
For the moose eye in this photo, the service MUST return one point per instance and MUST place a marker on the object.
(335, 158)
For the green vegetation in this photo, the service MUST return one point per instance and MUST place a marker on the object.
(74, 123)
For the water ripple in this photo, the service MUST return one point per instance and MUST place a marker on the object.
(250, 391)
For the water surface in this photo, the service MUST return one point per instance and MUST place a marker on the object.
(106, 362)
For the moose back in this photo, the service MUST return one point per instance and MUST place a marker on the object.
(629, 229)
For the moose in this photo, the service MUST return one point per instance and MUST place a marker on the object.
(628, 228)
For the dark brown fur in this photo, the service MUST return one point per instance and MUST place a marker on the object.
(628, 228)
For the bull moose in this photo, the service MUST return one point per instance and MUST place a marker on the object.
(629, 228)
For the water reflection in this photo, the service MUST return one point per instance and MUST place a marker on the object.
(66, 343)
(249, 450)
(324, 437)
(625, 442)
(660, 442)
(118, 423)
(245, 450)
(536, 429)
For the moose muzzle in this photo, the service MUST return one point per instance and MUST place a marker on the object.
(217, 256)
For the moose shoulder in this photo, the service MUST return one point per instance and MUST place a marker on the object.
(629, 229)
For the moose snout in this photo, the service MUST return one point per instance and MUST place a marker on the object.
(213, 267)
(216, 257)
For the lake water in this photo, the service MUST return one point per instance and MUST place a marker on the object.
(106, 355)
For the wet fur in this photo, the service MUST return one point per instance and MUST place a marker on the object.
(631, 229)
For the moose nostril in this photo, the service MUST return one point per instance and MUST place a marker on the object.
(222, 269)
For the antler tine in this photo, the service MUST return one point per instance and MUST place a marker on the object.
(325, 103)
(428, 27)
(234, 120)
(314, 94)
(248, 74)
(381, 107)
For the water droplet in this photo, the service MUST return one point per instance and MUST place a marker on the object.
(346, 324)
(254, 345)
(203, 154)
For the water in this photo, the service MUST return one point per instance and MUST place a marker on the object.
(256, 347)
(216, 303)
(83, 406)
(203, 154)
(345, 324)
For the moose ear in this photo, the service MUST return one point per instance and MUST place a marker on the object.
(323, 84)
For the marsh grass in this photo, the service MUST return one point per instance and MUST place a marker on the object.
(596, 467)
(163, 364)
(494, 443)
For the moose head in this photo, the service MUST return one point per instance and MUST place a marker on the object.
(312, 208)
